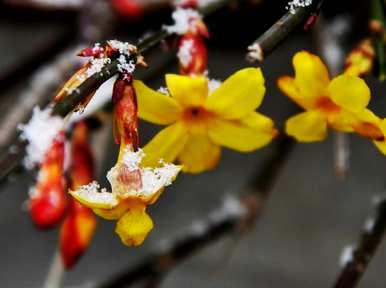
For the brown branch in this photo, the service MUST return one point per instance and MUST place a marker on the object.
(279, 31)
(214, 227)
(362, 254)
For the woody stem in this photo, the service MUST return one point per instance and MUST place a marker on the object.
(279, 31)
(364, 251)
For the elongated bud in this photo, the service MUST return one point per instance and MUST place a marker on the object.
(76, 232)
(47, 201)
(125, 121)
(192, 55)
(79, 225)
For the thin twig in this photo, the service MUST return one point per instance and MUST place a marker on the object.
(213, 228)
(329, 38)
(279, 31)
(362, 254)
(55, 272)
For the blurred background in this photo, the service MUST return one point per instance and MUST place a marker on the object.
(310, 215)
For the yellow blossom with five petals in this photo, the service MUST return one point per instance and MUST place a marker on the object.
(133, 188)
(200, 121)
(339, 103)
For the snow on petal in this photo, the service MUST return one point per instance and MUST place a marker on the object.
(91, 195)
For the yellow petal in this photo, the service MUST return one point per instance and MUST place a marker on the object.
(307, 127)
(250, 133)
(342, 121)
(166, 145)
(349, 92)
(368, 125)
(381, 145)
(133, 227)
(154, 106)
(186, 90)
(118, 211)
(311, 75)
(94, 199)
(289, 87)
(239, 95)
(199, 154)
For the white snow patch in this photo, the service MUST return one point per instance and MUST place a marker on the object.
(123, 47)
(185, 53)
(97, 65)
(93, 193)
(164, 90)
(124, 66)
(232, 207)
(294, 4)
(184, 21)
(369, 225)
(347, 255)
(40, 132)
(255, 53)
(213, 84)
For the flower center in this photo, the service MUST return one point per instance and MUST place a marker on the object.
(326, 105)
(196, 114)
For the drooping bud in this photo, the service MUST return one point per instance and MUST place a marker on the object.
(125, 121)
(47, 201)
(79, 225)
(192, 55)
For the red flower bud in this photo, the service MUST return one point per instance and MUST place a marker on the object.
(125, 121)
(79, 225)
(47, 203)
(76, 232)
(192, 54)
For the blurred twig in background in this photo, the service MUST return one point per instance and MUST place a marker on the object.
(359, 258)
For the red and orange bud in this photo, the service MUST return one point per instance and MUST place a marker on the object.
(192, 55)
(76, 232)
(82, 161)
(79, 225)
(125, 121)
(360, 60)
(48, 202)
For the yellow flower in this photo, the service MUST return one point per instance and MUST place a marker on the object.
(339, 104)
(201, 120)
(133, 188)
